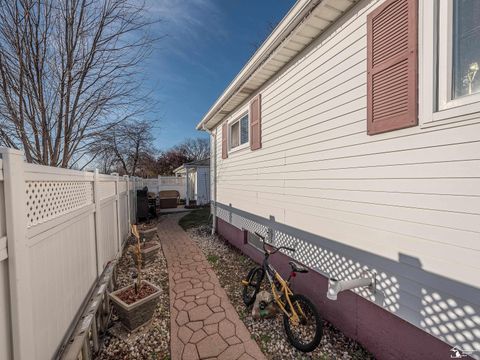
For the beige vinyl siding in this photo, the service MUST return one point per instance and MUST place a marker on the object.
(413, 192)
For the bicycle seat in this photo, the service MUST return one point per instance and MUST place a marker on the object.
(297, 267)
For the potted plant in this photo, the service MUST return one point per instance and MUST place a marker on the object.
(148, 253)
(135, 304)
(148, 246)
(148, 234)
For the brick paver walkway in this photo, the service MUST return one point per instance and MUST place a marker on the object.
(204, 324)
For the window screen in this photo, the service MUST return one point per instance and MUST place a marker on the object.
(466, 48)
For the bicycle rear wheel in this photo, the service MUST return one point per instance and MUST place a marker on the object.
(250, 291)
(306, 335)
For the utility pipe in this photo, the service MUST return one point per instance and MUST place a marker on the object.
(187, 180)
(214, 215)
(336, 286)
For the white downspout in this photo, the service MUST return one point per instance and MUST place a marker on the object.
(214, 213)
(187, 196)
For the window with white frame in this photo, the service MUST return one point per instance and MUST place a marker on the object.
(458, 30)
(466, 48)
(239, 132)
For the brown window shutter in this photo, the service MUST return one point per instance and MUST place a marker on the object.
(256, 123)
(392, 66)
(224, 140)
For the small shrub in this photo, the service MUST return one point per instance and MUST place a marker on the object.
(213, 259)
(265, 338)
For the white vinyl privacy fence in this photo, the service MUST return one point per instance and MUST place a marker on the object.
(163, 183)
(58, 230)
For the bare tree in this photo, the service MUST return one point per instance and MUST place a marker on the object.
(195, 149)
(187, 151)
(67, 73)
(147, 165)
(126, 148)
(171, 159)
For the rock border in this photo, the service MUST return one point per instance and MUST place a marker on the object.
(230, 265)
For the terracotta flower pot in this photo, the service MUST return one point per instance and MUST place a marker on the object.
(139, 312)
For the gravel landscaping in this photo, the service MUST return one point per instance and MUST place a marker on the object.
(230, 266)
(153, 340)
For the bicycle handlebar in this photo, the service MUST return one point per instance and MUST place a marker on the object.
(276, 248)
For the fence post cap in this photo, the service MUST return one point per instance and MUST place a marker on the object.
(10, 151)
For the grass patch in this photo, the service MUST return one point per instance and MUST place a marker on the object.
(213, 259)
(195, 218)
(265, 341)
(265, 338)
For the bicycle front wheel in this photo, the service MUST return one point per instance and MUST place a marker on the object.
(250, 290)
(307, 333)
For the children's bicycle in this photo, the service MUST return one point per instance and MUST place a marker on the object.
(301, 320)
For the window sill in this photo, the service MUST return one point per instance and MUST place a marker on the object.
(239, 147)
(453, 115)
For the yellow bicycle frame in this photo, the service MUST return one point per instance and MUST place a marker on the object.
(285, 289)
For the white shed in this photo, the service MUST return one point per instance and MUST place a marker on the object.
(197, 186)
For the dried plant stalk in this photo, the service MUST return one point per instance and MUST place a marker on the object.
(137, 251)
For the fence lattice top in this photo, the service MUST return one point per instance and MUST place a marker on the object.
(46, 200)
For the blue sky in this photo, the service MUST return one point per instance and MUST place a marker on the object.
(206, 43)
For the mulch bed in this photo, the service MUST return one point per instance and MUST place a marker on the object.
(230, 266)
(151, 341)
(129, 296)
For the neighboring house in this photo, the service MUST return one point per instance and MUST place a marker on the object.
(197, 186)
(353, 134)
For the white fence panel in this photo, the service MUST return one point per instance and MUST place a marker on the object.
(61, 251)
(108, 215)
(152, 185)
(173, 183)
(106, 186)
(5, 332)
(171, 180)
(125, 227)
(62, 271)
(133, 201)
(108, 233)
(122, 186)
(164, 183)
(139, 183)
(62, 228)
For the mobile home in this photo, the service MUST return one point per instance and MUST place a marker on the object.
(353, 135)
